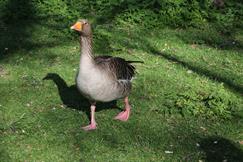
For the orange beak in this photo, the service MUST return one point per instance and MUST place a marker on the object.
(77, 26)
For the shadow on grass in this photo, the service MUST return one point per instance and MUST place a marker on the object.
(218, 149)
(4, 156)
(212, 38)
(144, 44)
(16, 21)
(72, 98)
(204, 72)
(183, 139)
(146, 138)
(17, 28)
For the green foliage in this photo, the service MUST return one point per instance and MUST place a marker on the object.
(14, 10)
(142, 18)
(184, 13)
(179, 13)
(214, 102)
(204, 102)
(226, 21)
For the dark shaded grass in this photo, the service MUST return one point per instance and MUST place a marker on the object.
(72, 98)
(212, 38)
(220, 149)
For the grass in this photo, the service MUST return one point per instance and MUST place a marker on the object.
(40, 120)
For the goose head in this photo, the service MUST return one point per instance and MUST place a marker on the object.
(83, 27)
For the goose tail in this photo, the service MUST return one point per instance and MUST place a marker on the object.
(135, 62)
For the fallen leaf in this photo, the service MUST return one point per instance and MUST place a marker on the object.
(189, 71)
(194, 46)
(169, 152)
(203, 128)
(2, 72)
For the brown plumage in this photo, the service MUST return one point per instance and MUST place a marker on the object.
(119, 67)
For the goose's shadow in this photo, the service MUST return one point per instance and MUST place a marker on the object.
(72, 98)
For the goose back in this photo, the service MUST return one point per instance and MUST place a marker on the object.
(117, 68)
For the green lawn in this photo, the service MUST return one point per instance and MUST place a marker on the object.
(41, 119)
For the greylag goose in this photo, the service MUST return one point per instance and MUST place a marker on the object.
(102, 78)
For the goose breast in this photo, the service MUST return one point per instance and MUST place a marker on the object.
(106, 79)
(97, 85)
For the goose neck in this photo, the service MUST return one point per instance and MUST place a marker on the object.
(86, 59)
(86, 46)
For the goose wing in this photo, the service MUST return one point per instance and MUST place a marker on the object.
(116, 66)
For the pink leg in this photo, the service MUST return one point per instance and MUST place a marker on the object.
(92, 124)
(124, 115)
